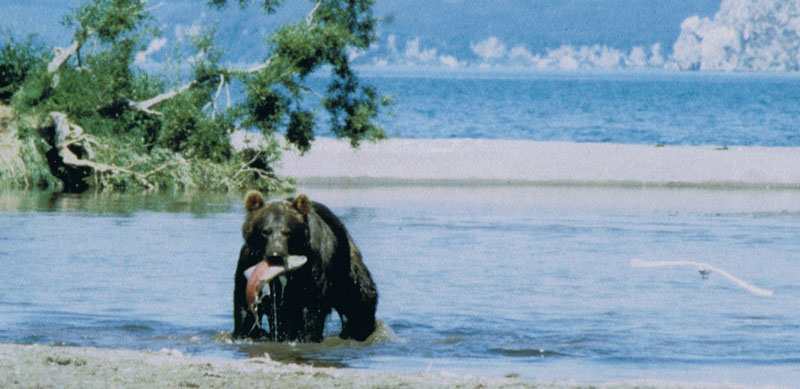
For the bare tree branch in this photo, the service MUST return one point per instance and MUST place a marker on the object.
(155, 7)
(257, 68)
(228, 95)
(144, 106)
(216, 96)
(310, 16)
(62, 55)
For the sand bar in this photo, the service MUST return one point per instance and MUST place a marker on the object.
(459, 162)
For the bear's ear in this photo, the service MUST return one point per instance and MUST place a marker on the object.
(253, 201)
(302, 204)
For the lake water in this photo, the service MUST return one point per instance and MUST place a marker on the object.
(633, 108)
(533, 281)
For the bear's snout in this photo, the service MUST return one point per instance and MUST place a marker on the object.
(277, 246)
(276, 259)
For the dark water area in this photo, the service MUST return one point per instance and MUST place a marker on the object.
(483, 281)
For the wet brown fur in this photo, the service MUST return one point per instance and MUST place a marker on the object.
(335, 277)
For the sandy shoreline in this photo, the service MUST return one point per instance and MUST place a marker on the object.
(55, 366)
(42, 366)
(481, 162)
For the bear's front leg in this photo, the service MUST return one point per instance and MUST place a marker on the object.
(314, 323)
(358, 303)
(245, 324)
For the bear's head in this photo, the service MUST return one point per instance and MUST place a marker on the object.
(277, 234)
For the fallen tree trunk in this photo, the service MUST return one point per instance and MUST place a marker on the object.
(73, 160)
(70, 145)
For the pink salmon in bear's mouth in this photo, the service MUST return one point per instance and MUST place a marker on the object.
(262, 273)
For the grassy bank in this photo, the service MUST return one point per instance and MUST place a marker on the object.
(22, 166)
(30, 159)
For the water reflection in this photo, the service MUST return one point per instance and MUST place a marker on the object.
(122, 204)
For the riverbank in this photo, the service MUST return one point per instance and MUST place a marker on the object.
(10, 160)
(25, 366)
(482, 162)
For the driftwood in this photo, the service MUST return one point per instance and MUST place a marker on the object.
(72, 161)
(69, 141)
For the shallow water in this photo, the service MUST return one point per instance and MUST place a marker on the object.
(530, 281)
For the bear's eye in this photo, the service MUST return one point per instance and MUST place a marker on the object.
(267, 232)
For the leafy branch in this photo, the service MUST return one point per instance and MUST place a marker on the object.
(97, 98)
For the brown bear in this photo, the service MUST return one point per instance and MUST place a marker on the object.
(298, 262)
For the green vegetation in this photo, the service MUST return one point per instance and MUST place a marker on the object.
(19, 59)
(86, 118)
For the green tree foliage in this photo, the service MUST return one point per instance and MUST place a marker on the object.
(296, 51)
(152, 122)
(270, 6)
(19, 60)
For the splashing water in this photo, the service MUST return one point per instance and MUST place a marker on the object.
(273, 324)
(704, 270)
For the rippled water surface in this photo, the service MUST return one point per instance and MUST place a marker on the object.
(633, 108)
(530, 281)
